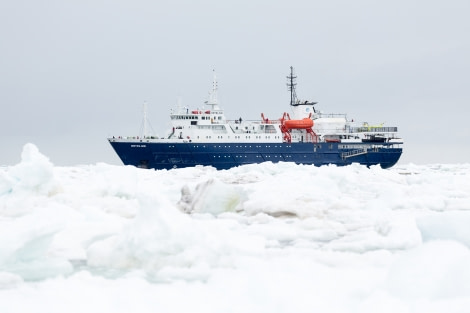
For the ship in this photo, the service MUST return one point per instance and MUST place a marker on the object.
(305, 135)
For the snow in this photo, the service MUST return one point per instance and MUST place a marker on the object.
(257, 238)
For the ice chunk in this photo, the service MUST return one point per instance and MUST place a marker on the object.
(435, 270)
(452, 225)
(30, 260)
(6, 182)
(9, 280)
(212, 196)
(35, 172)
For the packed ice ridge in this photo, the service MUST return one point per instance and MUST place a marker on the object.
(266, 237)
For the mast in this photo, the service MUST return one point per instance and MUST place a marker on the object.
(213, 93)
(294, 101)
(291, 87)
(144, 128)
(145, 118)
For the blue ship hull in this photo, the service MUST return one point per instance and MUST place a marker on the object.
(168, 155)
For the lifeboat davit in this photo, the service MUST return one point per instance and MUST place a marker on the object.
(299, 124)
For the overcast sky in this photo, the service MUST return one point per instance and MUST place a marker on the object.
(74, 72)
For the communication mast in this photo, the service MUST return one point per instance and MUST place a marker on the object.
(291, 87)
(294, 101)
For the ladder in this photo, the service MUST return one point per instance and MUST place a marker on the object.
(353, 153)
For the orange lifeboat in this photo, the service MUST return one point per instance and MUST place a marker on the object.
(299, 124)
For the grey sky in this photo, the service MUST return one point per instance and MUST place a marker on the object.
(74, 72)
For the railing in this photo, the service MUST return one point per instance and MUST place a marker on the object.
(330, 115)
(374, 129)
(253, 121)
